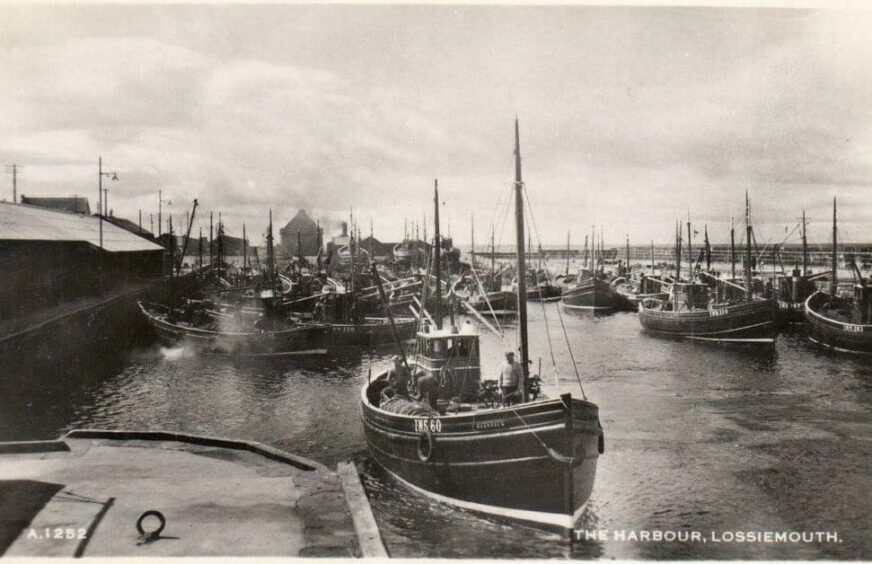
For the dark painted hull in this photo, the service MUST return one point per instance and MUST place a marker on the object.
(298, 340)
(373, 332)
(490, 461)
(501, 302)
(751, 322)
(832, 333)
(544, 293)
(594, 294)
(790, 312)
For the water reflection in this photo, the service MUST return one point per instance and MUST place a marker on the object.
(698, 436)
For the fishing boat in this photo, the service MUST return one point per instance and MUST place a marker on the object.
(226, 334)
(533, 462)
(795, 289)
(688, 312)
(841, 323)
(591, 290)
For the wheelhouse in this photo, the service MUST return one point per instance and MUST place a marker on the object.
(453, 358)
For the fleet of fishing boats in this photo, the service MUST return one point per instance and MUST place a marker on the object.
(433, 421)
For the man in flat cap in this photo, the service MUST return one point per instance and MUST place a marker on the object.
(511, 377)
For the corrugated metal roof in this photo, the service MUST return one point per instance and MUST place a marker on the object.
(21, 222)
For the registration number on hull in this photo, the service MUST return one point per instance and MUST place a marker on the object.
(432, 425)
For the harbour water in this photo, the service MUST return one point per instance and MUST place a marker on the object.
(698, 437)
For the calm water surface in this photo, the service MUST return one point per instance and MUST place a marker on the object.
(698, 437)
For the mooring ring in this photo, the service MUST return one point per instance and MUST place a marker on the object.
(151, 513)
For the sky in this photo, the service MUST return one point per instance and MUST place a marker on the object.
(630, 117)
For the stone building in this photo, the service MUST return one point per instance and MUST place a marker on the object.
(300, 236)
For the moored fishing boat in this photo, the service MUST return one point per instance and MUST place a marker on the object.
(534, 461)
(688, 312)
(836, 322)
(216, 334)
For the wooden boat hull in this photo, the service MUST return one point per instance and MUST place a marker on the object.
(748, 322)
(835, 334)
(533, 462)
(373, 332)
(544, 293)
(299, 340)
(501, 302)
(594, 294)
(790, 312)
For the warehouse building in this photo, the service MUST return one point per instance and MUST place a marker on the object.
(48, 257)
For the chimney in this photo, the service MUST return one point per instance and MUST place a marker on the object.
(344, 229)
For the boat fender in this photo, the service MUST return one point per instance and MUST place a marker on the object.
(154, 534)
(425, 445)
(601, 443)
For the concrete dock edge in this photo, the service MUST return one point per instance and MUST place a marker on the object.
(368, 535)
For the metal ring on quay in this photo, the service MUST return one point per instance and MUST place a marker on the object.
(151, 513)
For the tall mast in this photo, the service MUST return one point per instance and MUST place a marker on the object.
(627, 266)
(472, 236)
(567, 253)
(493, 251)
(652, 257)
(678, 247)
(835, 283)
(804, 247)
(584, 254)
(211, 241)
(732, 249)
(708, 251)
(522, 268)
(592, 249)
(244, 248)
(200, 250)
(748, 293)
(437, 244)
(270, 258)
(689, 250)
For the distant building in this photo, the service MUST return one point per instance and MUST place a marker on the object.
(53, 256)
(300, 236)
(376, 248)
(73, 204)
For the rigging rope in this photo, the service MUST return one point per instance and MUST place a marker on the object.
(559, 314)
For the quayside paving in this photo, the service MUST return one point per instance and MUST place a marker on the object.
(218, 498)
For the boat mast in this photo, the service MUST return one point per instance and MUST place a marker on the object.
(627, 266)
(804, 248)
(522, 269)
(567, 253)
(835, 283)
(678, 256)
(748, 293)
(732, 248)
(689, 250)
(472, 237)
(493, 253)
(437, 243)
(244, 249)
(652, 257)
(270, 257)
(708, 251)
(200, 251)
(592, 252)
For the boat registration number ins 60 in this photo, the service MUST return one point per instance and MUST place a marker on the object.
(432, 425)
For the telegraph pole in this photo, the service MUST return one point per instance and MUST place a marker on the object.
(101, 193)
(14, 169)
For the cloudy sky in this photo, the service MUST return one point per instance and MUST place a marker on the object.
(630, 117)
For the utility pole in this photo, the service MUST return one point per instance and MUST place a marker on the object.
(100, 193)
(14, 169)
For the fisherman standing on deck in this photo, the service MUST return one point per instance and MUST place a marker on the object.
(398, 377)
(510, 379)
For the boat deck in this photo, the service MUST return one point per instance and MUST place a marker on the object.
(219, 498)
